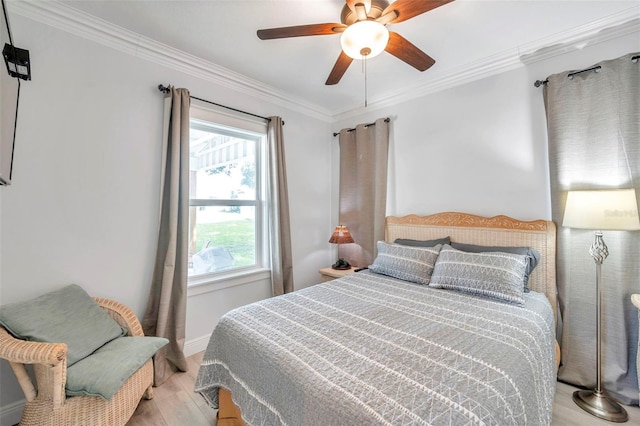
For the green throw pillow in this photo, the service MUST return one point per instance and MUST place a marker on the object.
(68, 315)
(104, 372)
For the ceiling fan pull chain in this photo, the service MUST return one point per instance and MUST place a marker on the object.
(364, 65)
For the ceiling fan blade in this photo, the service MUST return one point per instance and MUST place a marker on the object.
(300, 31)
(407, 9)
(387, 17)
(352, 5)
(404, 50)
(339, 69)
(361, 12)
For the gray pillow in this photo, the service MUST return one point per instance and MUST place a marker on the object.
(68, 315)
(423, 243)
(497, 275)
(533, 257)
(103, 373)
(413, 264)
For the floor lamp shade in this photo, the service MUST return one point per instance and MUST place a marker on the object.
(615, 209)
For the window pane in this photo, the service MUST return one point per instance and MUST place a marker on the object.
(222, 238)
(222, 163)
(225, 195)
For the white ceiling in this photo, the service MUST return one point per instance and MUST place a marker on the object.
(458, 35)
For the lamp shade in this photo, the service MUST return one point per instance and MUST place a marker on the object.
(364, 38)
(341, 235)
(613, 209)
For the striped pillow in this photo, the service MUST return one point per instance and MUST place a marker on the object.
(497, 275)
(407, 263)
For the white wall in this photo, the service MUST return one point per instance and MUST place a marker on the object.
(481, 147)
(83, 206)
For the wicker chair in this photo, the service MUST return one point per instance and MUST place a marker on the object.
(47, 404)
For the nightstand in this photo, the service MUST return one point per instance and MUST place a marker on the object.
(329, 273)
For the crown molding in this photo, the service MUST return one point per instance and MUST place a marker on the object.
(617, 25)
(439, 81)
(66, 18)
(81, 24)
(572, 41)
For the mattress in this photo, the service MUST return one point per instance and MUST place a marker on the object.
(369, 349)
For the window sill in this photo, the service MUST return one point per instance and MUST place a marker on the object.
(202, 285)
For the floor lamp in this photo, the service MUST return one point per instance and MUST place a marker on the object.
(615, 209)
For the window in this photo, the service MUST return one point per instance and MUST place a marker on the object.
(226, 196)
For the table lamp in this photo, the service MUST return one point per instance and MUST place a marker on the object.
(615, 209)
(341, 235)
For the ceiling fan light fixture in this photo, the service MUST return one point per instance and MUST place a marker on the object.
(364, 39)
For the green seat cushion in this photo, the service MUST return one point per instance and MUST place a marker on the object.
(68, 315)
(104, 372)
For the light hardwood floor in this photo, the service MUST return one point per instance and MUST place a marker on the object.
(175, 403)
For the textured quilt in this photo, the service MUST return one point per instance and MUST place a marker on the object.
(369, 349)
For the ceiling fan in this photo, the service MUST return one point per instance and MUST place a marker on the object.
(364, 32)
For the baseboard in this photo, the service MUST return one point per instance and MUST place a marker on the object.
(10, 414)
(195, 345)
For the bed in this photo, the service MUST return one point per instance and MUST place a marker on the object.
(372, 348)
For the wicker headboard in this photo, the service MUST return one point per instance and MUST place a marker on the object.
(489, 231)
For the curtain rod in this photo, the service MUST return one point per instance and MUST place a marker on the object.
(570, 76)
(165, 89)
(386, 120)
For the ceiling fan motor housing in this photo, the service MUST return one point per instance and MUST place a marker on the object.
(348, 16)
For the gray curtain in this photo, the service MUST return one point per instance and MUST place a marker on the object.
(165, 315)
(593, 125)
(279, 227)
(363, 189)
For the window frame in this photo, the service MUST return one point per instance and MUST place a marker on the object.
(257, 132)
